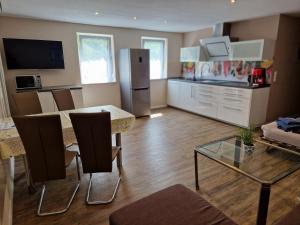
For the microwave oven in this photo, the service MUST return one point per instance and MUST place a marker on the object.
(24, 82)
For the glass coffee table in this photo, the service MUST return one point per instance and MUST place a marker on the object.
(266, 165)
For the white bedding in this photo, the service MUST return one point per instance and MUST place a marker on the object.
(272, 132)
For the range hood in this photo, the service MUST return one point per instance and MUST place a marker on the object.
(218, 47)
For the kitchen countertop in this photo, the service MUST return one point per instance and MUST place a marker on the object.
(50, 88)
(219, 83)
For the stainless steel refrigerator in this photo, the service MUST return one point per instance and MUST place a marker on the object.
(134, 70)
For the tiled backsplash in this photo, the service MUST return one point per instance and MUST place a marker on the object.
(225, 70)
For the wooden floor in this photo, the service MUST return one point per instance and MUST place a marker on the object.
(157, 153)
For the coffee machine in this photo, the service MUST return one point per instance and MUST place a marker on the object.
(258, 76)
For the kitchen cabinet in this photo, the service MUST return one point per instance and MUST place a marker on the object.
(254, 50)
(186, 96)
(48, 104)
(205, 100)
(192, 54)
(239, 106)
(173, 93)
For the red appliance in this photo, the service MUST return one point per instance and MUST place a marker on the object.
(258, 76)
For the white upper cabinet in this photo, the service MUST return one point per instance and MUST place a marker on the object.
(255, 50)
(191, 54)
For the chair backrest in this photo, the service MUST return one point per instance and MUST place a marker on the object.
(26, 103)
(43, 142)
(63, 99)
(93, 133)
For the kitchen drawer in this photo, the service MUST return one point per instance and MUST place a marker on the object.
(206, 108)
(235, 101)
(208, 88)
(238, 93)
(206, 96)
(234, 114)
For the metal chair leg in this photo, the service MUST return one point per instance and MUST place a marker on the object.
(70, 145)
(39, 213)
(102, 202)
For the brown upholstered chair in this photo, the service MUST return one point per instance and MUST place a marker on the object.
(45, 152)
(26, 103)
(176, 205)
(292, 218)
(93, 133)
(63, 99)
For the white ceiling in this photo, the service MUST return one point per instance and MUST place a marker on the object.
(162, 15)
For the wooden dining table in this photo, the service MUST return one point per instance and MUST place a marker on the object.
(11, 144)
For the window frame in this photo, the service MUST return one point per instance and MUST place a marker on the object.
(165, 67)
(113, 59)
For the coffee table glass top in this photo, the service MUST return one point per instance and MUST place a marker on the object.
(265, 164)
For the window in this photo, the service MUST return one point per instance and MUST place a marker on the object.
(158, 56)
(96, 58)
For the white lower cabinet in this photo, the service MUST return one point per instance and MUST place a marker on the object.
(228, 104)
(234, 114)
(173, 93)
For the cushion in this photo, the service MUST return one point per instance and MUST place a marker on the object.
(175, 205)
(271, 132)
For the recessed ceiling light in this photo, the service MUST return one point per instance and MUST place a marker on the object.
(135, 18)
(97, 13)
(233, 1)
(165, 22)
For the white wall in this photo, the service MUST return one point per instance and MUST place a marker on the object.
(95, 94)
(158, 92)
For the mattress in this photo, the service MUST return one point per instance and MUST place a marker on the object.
(272, 132)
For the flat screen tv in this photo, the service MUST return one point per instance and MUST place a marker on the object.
(33, 54)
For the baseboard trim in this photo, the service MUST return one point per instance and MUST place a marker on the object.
(159, 106)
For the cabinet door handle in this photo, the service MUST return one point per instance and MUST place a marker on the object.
(206, 95)
(233, 95)
(205, 103)
(231, 108)
(233, 90)
(232, 99)
(205, 90)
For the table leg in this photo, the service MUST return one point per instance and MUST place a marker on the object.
(196, 170)
(31, 188)
(119, 143)
(263, 204)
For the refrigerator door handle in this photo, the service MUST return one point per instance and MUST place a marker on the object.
(140, 89)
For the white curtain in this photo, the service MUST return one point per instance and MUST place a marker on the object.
(4, 107)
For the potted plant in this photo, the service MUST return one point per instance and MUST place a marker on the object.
(247, 138)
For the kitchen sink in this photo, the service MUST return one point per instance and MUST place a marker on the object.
(212, 81)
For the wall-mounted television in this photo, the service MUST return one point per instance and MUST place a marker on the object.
(33, 54)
